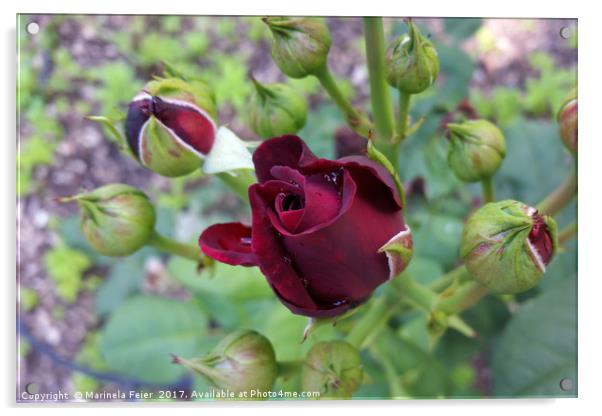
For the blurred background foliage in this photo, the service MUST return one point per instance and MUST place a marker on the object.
(123, 317)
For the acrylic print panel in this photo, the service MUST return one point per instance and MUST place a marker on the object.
(281, 208)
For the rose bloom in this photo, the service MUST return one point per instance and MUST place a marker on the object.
(325, 233)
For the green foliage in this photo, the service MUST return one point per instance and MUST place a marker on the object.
(539, 346)
(28, 298)
(118, 85)
(229, 80)
(35, 152)
(461, 28)
(142, 333)
(66, 267)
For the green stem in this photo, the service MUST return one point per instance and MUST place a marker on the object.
(404, 109)
(567, 233)
(371, 322)
(463, 298)
(414, 292)
(561, 196)
(380, 94)
(459, 274)
(240, 182)
(357, 121)
(396, 389)
(488, 191)
(189, 251)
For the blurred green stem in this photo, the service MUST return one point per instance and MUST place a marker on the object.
(239, 182)
(373, 320)
(462, 298)
(561, 196)
(380, 94)
(189, 251)
(396, 389)
(567, 233)
(404, 109)
(357, 121)
(488, 191)
(287, 369)
(459, 274)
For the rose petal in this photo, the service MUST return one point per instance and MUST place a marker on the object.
(287, 150)
(229, 243)
(340, 261)
(189, 123)
(272, 259)
(138, 115)
(376, 169)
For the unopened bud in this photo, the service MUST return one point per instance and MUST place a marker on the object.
(117, 219)
(567, 121)
(243, 361)
(477, 149)
(507, 245)
(170, 125)
(411, 62)
(333, 368)
(276, 110)
(300, 45)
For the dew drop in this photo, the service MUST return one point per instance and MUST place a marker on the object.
(245, 241)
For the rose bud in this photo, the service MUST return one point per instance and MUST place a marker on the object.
(299, 45)
(333, 368)
(117, 219)
(477, 149)
(276, 110)
(567, 122)
(170, 125)
(411, 62)
(325, 233)
(507, 245)
(242, 361)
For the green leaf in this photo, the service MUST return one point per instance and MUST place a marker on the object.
(28, 298)
(125, 278)
(66, 266)
(237, 283)
(140, 336)
(539, 346)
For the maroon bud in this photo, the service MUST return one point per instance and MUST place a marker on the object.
(170, 126)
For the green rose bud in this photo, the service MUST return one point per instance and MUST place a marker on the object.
(117, 219)
(243, 361)
(507, 245)
(477, 149)
(299, 45)
(567, 121)
(411, 62)
(276, 110)
(334, 368)
(170, 125)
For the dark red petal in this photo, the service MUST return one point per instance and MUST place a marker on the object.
(229, 243)
(287, 150)
(190, 124)
(376, 169)
(540, 238)
(321, 194)
(138, 115)
(272, 259)
(340, 261)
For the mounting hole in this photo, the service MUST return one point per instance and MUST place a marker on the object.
(566, 384)
(567, 32)
(32, 388)
(32, 28)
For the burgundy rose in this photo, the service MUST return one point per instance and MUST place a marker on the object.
(325, 233)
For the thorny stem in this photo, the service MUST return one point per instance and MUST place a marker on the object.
(357, 121)
(380, 94)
